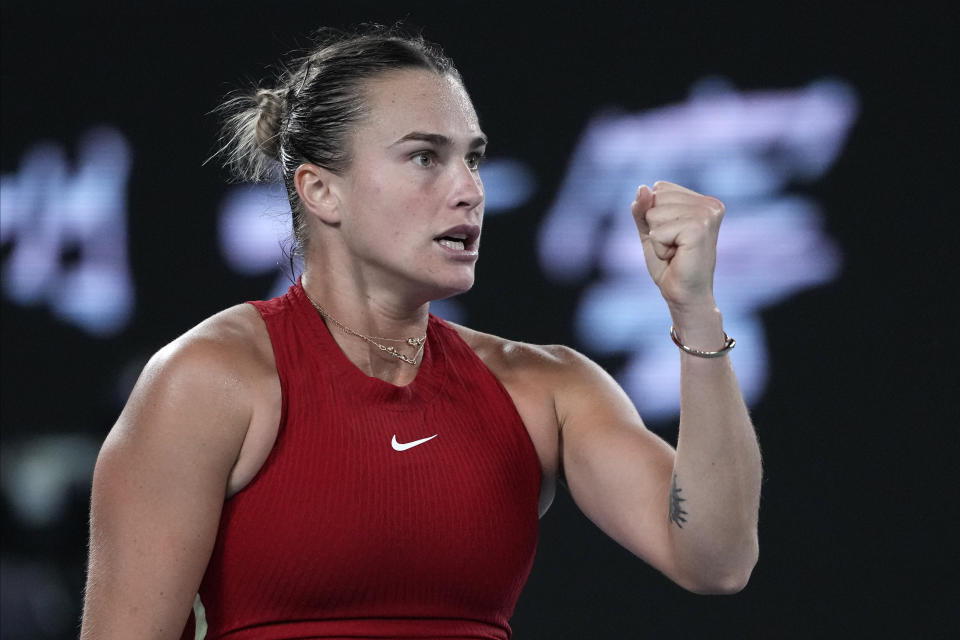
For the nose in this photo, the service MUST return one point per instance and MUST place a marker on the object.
(467, 190)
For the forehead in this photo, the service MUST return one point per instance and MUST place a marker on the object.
(418, 100)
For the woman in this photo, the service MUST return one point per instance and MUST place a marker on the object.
(337, 462)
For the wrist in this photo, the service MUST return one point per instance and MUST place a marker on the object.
(699, 327)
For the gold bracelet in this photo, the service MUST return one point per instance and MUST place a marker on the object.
(728, 343)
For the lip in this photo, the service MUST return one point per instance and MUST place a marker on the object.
(470, 244)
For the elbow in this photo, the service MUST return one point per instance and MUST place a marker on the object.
(731, 579)
(726, 585)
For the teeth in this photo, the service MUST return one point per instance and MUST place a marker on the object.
(452, 244)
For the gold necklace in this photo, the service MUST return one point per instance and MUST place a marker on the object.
(413, 342)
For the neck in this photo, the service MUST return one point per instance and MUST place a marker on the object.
(379, 317)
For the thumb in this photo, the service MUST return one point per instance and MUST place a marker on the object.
(642, 203)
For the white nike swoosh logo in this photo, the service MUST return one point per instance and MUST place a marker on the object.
(397, 446)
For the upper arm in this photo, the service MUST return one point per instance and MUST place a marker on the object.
(617, 471)
(159, 487)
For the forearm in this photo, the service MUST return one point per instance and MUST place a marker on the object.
(715, 489)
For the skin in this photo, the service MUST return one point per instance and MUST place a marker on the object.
(205, 413)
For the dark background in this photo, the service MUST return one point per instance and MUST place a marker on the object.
(858, 424)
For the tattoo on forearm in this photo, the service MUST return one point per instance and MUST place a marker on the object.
(677, 511)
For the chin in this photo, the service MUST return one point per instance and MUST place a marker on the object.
(453, 292)
(453, 287)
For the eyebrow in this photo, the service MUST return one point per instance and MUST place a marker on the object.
(439, 139)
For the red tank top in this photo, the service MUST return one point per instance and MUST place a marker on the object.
(350, 529)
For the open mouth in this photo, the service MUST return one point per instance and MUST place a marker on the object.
(461, 238)
(453, 242)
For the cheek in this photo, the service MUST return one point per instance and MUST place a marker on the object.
(367, 199)
(390, 204)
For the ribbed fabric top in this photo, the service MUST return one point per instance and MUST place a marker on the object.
(342, 536)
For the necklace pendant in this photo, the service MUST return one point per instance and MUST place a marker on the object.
(413, 342)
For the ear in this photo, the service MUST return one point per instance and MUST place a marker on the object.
(317, 191)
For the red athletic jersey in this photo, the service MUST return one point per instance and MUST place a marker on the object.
(382, 511)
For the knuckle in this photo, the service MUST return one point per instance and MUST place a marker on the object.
(699, 230)
(716, 206)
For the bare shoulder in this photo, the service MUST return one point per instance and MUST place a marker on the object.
(234, 337)
(510, 358)
(214, 368)
(573, 384)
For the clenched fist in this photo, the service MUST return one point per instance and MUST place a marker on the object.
(678, 228)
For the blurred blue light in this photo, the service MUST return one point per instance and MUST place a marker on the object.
(744, 148)
(52, 211)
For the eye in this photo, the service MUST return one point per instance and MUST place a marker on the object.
(424, 158)
(474, 160)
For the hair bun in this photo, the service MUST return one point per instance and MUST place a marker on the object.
(271, 104)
